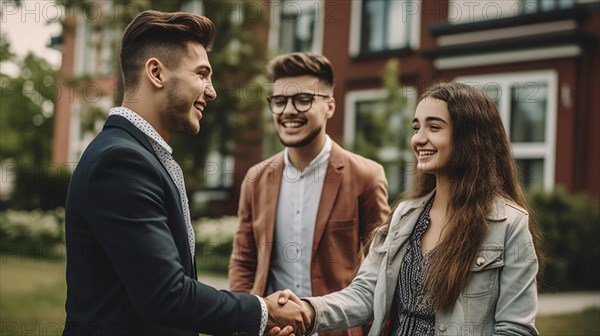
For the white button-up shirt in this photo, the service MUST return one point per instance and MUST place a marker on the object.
(297, 206)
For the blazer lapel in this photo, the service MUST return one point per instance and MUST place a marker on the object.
(123, 123)
(329, 193)
(275, 173)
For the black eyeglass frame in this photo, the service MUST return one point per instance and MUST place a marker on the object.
(293, 97)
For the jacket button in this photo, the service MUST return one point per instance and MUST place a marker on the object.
(480, 261)
(442, 327)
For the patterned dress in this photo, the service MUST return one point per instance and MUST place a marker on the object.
(414, 316)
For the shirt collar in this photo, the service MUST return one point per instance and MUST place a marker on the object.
(321, 158)
(142, 124)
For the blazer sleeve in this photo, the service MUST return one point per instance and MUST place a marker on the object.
(244, 256)
(126, 209)
(374, 209)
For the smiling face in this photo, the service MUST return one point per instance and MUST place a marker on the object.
(189, 88)
(303, 129)
(432, 138)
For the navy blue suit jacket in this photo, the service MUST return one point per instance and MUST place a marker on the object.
(129, 266)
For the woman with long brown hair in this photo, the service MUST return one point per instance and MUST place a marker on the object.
(457, 256)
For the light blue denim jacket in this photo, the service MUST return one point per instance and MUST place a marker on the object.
(500, 299)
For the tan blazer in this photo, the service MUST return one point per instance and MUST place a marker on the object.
(353, 202)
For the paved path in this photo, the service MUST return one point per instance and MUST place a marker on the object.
(569, 302)
(549, 304)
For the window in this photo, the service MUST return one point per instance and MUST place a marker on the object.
(95, 50)
(297, 26)
(527, 105)
(465, 11)
(380, 133)
(218, 170)
(534, 6)
(384, 25)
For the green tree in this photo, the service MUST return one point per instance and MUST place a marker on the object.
(238, 58)
(383, 128)
(26, 123)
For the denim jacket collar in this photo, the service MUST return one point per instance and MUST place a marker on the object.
(497, 212)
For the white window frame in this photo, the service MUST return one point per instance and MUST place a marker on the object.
(353, 97)
(541, 150)
(275, 14)
(356, 23)
(466, 11)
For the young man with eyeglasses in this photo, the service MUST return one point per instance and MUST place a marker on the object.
(306, 213)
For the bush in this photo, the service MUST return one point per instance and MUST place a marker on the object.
(36, 233)
(214, 241)
(570, 226)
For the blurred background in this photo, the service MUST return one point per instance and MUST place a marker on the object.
(537, 59)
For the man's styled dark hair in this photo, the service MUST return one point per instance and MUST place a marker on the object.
(299, 64)
(161, 35)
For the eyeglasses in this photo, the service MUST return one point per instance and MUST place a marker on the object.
(302, 102)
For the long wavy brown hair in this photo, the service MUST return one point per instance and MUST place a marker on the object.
(481, 168)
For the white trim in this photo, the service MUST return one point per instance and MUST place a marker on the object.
(319, 33)
(352, 97)
(355, 13)
(511, 32)
(74, 146)
(545, 150)
(469, 61)
(275, 18)
(80, 48)
(415, 32)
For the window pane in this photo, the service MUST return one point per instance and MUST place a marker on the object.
(372, 25)
(386, 24)
(368, 124)
(398, 25)
(377, 136)
(530, 6)
(566, 3)
(493, 90)
(396, 176)
(547, 5)
(297, 26)
(531, 173)
(533, 6)
(528, 112)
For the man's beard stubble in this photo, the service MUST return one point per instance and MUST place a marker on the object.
(178, 110)
(307, 140)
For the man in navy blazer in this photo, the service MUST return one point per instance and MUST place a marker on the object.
(130, 246)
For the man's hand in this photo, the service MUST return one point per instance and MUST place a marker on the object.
(286, 295)
(276, 331)
(286, 310)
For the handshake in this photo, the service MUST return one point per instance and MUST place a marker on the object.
(288, 315)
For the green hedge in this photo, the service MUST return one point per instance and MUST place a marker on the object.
(40, 234)
(34, 233)
(570, 226)
(214, 240)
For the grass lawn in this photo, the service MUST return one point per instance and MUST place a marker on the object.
(582, 323)
(32, 298)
